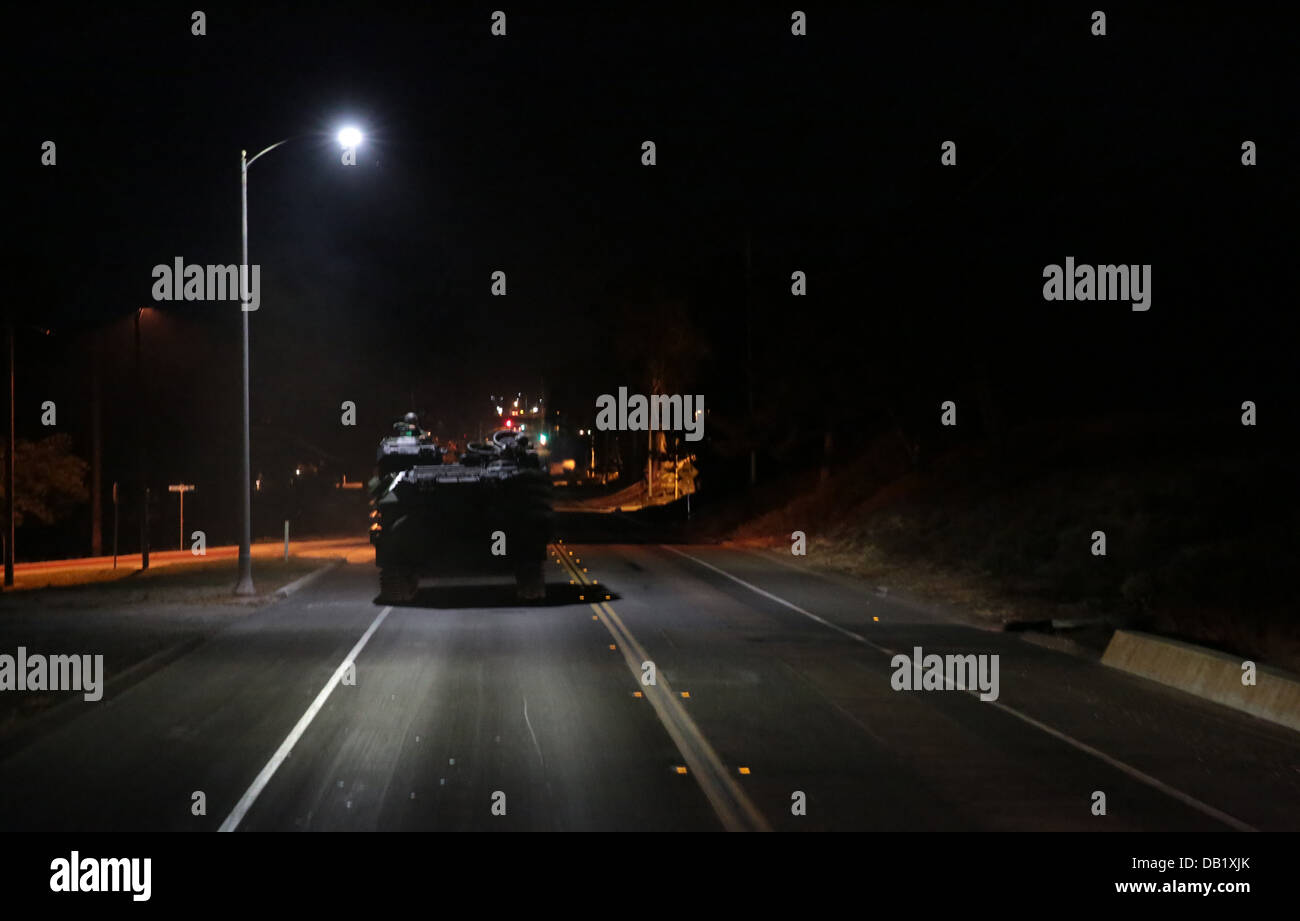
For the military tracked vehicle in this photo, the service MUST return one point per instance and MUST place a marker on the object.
(437, 512)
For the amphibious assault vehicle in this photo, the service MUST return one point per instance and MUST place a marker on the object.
(436, 512)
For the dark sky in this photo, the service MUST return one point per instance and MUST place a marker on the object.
(522, 153)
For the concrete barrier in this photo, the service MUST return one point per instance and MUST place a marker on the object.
(1207, 673)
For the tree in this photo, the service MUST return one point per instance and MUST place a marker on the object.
(49, 480)
(658, 337)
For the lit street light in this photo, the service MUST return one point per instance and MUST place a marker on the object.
(349, 138)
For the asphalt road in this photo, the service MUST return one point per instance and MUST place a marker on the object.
(463, 710)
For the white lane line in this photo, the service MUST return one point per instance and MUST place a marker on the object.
(1133, 772)
(858, 637)
(259, 783)
(1185, 798)
(529, 724)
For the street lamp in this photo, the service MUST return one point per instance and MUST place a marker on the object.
(349, 138)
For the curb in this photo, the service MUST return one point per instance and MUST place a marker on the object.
(1058, 643)
(1207, 673)
(287, 590)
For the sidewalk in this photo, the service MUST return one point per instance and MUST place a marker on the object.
(82, 570)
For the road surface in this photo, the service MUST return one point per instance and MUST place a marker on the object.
(772, 708)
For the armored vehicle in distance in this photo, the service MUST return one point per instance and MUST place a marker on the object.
(489, 511)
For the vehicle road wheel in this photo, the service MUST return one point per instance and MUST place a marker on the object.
(397, 585)
(530, 582)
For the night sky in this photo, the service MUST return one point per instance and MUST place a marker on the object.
(522, 153)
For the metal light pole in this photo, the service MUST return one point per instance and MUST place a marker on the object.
(349, 138)
(9, 462)
(244, 585)
(139, 445)
(96, 451)
(749, 356)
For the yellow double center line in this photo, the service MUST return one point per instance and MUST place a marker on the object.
(733, 806)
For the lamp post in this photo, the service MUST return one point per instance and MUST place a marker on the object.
(139, 445)
(9, 462)
(348, 138)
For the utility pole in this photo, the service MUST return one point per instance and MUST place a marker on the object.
(96, 450)
(828, 447)
(115, 524)
(749, 356)
(139, 446)
(9, 462)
